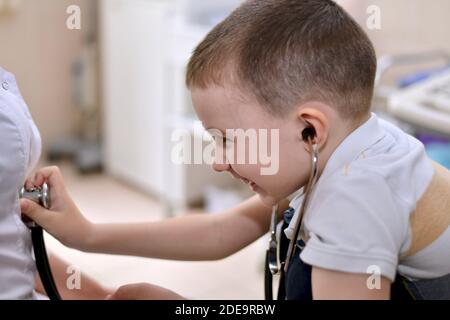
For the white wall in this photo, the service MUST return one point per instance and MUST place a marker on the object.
(38, 48)
(406, 25)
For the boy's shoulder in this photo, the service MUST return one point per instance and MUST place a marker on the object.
(397, 161)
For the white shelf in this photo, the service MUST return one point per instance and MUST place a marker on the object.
(145, 49)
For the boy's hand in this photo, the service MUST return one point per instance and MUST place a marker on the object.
(144, 291)
(64, 221)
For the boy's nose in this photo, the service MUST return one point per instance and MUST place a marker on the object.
(220, 167)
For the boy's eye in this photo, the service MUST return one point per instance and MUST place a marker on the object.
(222, 141)
(227, 141)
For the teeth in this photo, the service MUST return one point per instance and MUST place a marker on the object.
(247, 182)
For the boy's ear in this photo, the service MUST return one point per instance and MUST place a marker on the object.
(312, 114)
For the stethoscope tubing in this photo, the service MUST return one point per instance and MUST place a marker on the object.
(42, 197)
(308, 190)
(273, 265)
(43, 264)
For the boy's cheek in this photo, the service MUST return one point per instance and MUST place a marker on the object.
(248, 171)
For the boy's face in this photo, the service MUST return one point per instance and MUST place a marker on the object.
(282, 164)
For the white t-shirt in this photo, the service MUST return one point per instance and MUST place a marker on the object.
(359, 213)
(20, 148)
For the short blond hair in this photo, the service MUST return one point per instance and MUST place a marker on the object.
(289, 51)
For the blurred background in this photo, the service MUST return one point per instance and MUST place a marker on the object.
(107, 96)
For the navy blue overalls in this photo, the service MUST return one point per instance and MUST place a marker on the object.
(296, 283)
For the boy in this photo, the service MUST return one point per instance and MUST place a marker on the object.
(379, 203)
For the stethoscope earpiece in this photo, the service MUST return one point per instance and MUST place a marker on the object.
(308, 134)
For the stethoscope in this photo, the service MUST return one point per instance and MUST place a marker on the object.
(41, 195)
(273, 264)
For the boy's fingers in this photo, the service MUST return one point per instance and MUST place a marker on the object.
(33, 211)
(126, 292)
(29, 184)
(52, 175)
(39, 179)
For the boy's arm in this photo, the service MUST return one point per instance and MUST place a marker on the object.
(335, 285)
(189, 237)
(89, 288)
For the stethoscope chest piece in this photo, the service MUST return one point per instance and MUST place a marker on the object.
(40, 195)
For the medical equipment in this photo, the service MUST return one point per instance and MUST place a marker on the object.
(273, 254)
(423, 105)
(426, 104)
(42, 197)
